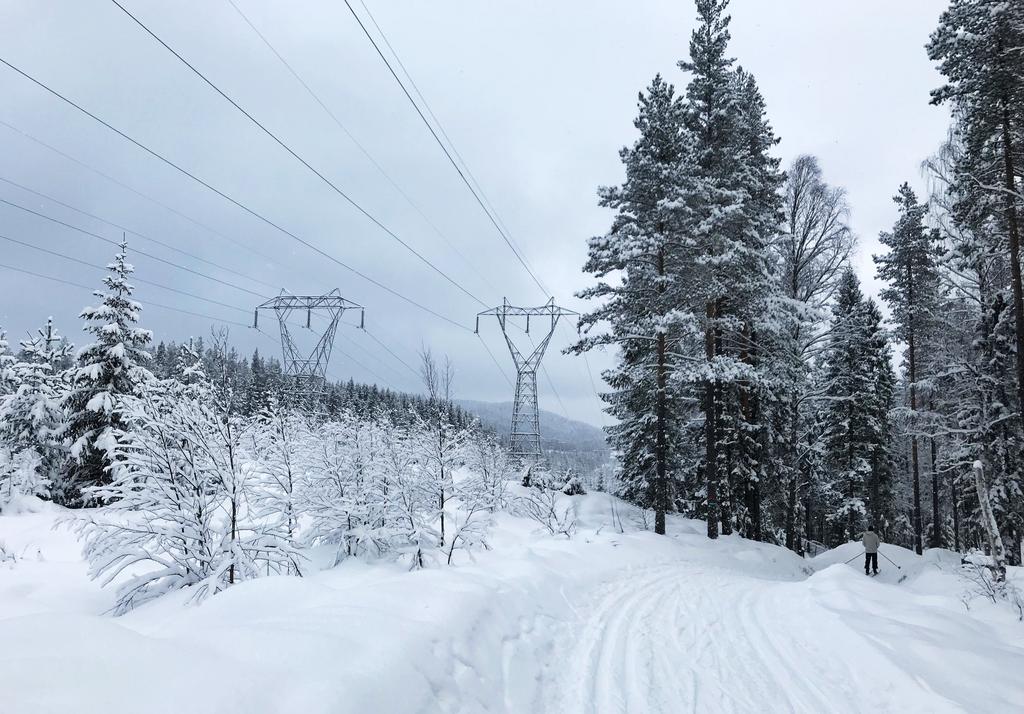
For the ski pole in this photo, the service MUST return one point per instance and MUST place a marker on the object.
(854, 558)
(889, 559)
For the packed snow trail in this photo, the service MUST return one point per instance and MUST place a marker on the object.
(678, 638)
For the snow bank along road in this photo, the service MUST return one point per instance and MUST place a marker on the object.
(606, 622)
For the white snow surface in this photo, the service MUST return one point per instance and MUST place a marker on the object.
(605, 622)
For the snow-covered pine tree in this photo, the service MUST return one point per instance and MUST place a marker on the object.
(6, 362)
(190, 373)
(636, 263)
(107, 371)
(729, 185)
(910, 269)
(31, 417)
(845, 418)
(977, 45)
(858, 387)
(757, 304)
(879, 433)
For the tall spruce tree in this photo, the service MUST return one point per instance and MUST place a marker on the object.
(107, 371)
(910, 269)
(858, 391)
(878, 405)
(643, 250)
(847, 384)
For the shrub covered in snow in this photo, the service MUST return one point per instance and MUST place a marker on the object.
(183, 506)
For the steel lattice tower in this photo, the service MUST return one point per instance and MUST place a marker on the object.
(524, 434)
(308, 374)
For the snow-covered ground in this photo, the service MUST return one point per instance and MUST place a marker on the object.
(605, 622)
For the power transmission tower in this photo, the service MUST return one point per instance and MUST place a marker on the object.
(308, 374)
(524, 435)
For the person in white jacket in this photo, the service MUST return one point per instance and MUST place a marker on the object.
(871, 542)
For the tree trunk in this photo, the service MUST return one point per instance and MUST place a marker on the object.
(725, 479)
(874, 495)
(710, 427)
(936, 520)
(988, 523)
(748, 413)
(793, 476)
(911, 359)
(1014, 236)
(440, 453)
(809, 531)
(955, 498)
(661, 479)
(754, 487)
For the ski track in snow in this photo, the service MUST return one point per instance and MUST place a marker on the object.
(691, 638)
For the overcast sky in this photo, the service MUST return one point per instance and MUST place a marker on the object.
(537, 95)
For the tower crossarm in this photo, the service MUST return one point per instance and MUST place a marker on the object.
(308, 373)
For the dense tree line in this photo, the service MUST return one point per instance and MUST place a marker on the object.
(970, 410)
(755, 384)
(255, 379)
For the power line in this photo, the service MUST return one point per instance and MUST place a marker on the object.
(495, 360)
(430, 128)
(360, 364)
(373, 219)
(394, 370)
(135, 279)
(451, 144)
(390, 352)
(387, 349)
(586, 361)
(140, 252)
(489, 208)
(140, 194)
(136, 233)
(380, 169)
(228, 198)
(148, 303)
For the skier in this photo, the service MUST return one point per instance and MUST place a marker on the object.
(871, 542)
